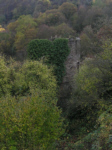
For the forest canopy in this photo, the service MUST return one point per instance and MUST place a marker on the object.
(33, 113)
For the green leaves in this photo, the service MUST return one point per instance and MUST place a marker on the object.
(56, 52)
(23, 30)
(29, 116)
(38, 48)
(68, 9)
(31, 124)
(60, 54)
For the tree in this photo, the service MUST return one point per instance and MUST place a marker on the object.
(41, 6)
(23, 30)
(54, 17)
(93, 18)
(5, 84)
(45, 32)
(99, 3)
(90, 44)
(29, 118)
(64, 30)
(78, 18)
(68, 9)
(51, 18)
(95, 75)
(92, 91)
(105, 32)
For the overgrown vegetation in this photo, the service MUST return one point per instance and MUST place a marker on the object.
(56, 53)
(91, 98)
(29, 116)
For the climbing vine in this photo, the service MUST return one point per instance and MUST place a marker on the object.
(56, 53)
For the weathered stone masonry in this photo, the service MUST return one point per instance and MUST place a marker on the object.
(72, 64)
(73, 59)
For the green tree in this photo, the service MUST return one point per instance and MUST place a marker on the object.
(78, 18)
(68, 9)
(95, 75)
(23, 31)
(64, 30)
(31, 119)
(92, 91)
(90, 43)
(105, 32)
(5, 85)
(41, 6)
(45, 32)
(94, 17)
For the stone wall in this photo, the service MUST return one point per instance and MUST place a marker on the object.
(73, 60)
(72, 64)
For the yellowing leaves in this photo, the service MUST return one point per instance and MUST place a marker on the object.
(24, 30)
(1, 29)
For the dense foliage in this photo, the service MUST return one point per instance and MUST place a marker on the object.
(56, 53)
(28, 91)
(24, 21)
(38, 48)
(91, 99)
(29, 117)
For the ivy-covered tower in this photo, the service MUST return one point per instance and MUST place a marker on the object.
(72, 65)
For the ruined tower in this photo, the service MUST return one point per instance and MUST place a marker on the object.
(72, 64)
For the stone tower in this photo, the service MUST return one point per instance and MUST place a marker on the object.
(72, 66)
